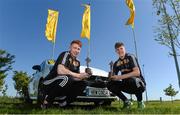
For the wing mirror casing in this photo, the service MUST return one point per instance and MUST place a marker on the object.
(37, 67)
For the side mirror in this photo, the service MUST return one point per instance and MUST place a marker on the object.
(36, 67)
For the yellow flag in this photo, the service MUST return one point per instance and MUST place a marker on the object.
(131, 6)
(51, 25)
(86, 23)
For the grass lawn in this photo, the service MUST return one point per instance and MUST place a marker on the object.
(12, 105)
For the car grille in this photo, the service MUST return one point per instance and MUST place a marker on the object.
(97, 81)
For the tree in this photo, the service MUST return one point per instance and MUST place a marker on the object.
(170, 91)
(21, 80)
(171, 18)
(4, 90)
(6, 61)
(167, 33)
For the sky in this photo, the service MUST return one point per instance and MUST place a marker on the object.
(22, 33)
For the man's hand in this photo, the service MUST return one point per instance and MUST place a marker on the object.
(110, 74)
(84, 76)
(115, 77)
(89, 71)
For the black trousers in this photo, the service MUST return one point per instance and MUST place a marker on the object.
(133, 85)
(63, 86)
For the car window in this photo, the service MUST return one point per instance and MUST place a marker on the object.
(42, 66)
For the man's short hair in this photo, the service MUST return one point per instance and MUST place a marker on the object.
(118, 44)
(77, 42)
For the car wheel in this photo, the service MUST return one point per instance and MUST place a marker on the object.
(40, 97)
(102, 103)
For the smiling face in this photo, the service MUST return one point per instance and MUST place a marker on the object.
(121, 51)
(75, 49)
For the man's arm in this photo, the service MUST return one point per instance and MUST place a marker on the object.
(62, 70)
(134, 73)
(135, 70)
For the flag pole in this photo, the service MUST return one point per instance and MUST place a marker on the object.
(53, 49)
(146, 88)
(89, 51)
(88, 60)
(135, 43)
(136, 52)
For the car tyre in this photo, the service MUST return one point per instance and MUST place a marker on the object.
(40, 96)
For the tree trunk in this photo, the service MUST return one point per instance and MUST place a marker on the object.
(171, 99)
